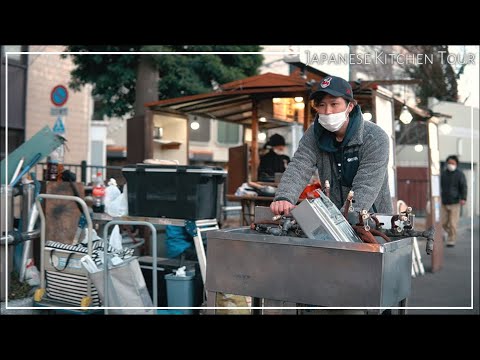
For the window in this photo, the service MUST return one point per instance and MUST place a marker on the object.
(98, 110)
(98, 153)
(228, 133)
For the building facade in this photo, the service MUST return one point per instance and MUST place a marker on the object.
(31, 79)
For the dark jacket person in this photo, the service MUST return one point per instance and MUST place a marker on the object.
(274, 161)
(454, 195)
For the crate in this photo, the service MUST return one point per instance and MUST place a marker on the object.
(176, 192)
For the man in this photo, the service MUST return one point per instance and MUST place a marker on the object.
(454, 195)
(275, 161)
(349, 152)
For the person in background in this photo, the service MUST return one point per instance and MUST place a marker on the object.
(274, 161)
(454, 195)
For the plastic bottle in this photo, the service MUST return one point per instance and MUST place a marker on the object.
(98, 193)
(55, 164)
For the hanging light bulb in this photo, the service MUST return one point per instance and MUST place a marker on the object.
(367, 116)
(262, 136)
(195, 125)
(418, 148)
(405, 116)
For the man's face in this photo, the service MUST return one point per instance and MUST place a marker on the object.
(331, 105)
(452, 162)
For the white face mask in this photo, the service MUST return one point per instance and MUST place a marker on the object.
(333, 122)
(278, 151)
(451, 167)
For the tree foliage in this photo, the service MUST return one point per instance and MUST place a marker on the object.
(439, 79)
(114, 76)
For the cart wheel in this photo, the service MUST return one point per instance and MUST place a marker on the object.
(38, 295)
(86, 301)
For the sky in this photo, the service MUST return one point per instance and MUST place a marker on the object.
(469, 82)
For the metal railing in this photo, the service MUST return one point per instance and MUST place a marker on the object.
(85, 172)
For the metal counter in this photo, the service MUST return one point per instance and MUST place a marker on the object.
(321, 273)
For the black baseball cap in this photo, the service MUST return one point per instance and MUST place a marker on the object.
(335, 86)
(276, 140)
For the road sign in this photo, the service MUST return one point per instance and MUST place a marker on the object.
(55, 111)
(59, 95)
(59, 127)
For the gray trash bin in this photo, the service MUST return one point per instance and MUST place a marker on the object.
(181, 291)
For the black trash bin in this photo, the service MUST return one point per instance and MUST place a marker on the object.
(176, 192)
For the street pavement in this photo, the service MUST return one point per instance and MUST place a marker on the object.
(451, 286)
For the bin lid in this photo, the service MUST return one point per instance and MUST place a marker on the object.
(180, 278)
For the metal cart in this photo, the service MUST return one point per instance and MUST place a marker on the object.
(305, 271)
(41, 298)
(194, 227)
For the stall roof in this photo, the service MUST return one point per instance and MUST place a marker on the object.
(232, 102)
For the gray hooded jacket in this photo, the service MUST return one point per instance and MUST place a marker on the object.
(366, 151)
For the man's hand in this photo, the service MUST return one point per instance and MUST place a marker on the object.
(462, 202)
(281, 207)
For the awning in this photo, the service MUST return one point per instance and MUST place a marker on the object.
(233, 102)
(242, 102)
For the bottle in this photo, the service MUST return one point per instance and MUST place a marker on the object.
(55, 164)
(98, 193)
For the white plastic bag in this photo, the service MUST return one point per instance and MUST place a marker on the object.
(95, 236)
(32, 275)
(111, 193)
(116, 239)
(119, 206)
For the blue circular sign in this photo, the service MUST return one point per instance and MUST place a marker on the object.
(59, 95)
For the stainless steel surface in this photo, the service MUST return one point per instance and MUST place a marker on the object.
(263, 215)
(8, 238)
(28, 209)
(308, 271)
(28, 200)
(6, 248)
(152, 220)
(321, 220)
(7, 209)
